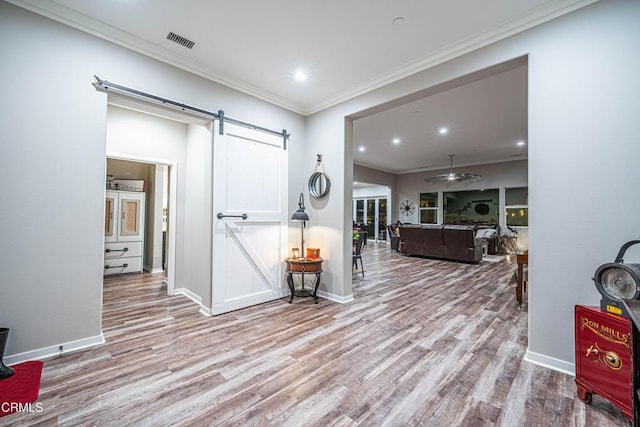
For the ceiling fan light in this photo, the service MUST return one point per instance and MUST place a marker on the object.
(452, 176)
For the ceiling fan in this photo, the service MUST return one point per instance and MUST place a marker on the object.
(454, 177)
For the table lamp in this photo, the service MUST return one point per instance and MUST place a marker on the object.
(303, 217)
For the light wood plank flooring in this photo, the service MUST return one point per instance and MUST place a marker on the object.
(425, 342)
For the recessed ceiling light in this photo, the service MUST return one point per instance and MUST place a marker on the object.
(520, 143)
(396, 140)
(361, 149)
(398, 21)
(300, 76)
(443, 131)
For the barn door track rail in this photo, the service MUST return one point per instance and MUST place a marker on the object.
(106, 86)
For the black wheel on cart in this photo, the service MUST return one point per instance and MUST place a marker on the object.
(585, 396)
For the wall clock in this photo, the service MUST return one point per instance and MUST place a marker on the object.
(407, 208)
(481, 209)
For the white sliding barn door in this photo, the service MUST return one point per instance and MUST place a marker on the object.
(249, 177)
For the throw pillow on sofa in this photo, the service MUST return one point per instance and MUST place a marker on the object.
(485, 233)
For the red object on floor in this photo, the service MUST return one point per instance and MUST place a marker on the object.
(20, 388)
(603, 357)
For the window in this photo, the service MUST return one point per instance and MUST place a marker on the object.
(382, 219)
(359, 211)
(428, 208)
(471, 207)
(517, 206)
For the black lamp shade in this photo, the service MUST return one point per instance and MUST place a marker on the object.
(300, 215)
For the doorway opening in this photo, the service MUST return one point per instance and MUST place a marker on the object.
(482, 118)
(148, 181)
(147, 149)
(371, 211)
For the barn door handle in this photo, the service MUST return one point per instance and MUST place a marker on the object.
(221, 215)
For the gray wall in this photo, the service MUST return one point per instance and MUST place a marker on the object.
(53, 168)
(370, 191)
(583, 113)
(373, 176)
(583, 109)
(196, 238)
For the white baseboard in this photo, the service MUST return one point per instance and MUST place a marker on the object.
(205, 311)
(257, 299)
(550, 363)
(189, 294)
(336, 298)
(152, 270)
(54, 350)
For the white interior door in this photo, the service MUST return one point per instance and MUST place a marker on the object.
(249, 177)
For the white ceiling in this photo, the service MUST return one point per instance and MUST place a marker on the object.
(485, 119)
(346, 47)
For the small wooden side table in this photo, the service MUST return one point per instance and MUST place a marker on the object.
(304, 266)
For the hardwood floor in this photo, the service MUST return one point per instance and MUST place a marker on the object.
(425, 342)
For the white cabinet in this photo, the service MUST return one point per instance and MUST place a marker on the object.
(123, 232)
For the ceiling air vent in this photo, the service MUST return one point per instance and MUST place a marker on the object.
(183, 41)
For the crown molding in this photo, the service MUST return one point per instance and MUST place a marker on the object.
(438, 168)
(540, 15)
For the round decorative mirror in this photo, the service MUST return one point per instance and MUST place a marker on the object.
(319, 185)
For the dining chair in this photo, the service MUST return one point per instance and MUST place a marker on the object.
(357, 252)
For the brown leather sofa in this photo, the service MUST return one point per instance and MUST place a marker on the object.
(450, 242)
